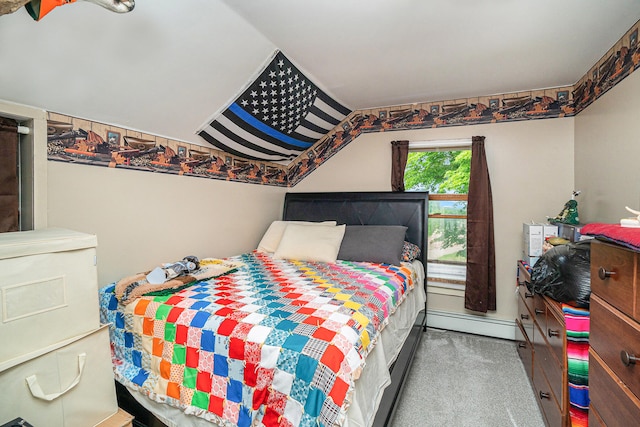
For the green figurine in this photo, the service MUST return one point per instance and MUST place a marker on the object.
(569, 214)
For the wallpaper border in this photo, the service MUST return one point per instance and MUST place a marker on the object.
(76, 140)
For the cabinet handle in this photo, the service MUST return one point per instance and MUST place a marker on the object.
(522, 345)
(528, 295)
(539, 311)
(544, 395)
(628, 359)
(603, 273)
(524, 316)
(553, 333)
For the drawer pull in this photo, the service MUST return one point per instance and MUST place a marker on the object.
(544, 395)
(553, 333)
(528, 295)
(524, 316)
(628, 359)
(603, 273)
(539, 311)
(37, 392)
(522, 345)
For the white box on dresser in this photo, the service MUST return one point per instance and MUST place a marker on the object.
(55, 364)
(532, 233)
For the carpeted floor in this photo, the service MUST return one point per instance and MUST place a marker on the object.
(467, 380)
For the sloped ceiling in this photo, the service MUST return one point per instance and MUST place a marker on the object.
(168, 67)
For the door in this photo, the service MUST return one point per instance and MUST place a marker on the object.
(9, 182)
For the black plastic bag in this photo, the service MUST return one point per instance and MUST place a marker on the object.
(563, 273)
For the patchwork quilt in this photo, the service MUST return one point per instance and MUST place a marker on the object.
(276, 343)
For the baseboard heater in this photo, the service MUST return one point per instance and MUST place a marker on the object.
(472, 324)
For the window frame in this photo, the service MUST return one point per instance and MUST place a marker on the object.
(437, 281)
(444, 285)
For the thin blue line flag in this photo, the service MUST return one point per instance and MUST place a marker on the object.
(279, 115)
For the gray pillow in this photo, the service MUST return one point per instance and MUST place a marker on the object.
(373, 243)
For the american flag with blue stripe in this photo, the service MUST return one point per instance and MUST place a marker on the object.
(280, 114)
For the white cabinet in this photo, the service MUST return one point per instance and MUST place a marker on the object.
(55, 363)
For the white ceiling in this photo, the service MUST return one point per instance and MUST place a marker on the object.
(168, 66)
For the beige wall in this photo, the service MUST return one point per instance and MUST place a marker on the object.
(142, 218)
(531, 169)
(607, 149)
(363, 165)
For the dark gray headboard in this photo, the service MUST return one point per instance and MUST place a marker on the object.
(410, 209)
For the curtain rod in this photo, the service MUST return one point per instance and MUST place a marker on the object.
(442, 143)
(24, 130)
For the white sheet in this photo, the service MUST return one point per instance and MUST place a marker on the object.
(369, 387)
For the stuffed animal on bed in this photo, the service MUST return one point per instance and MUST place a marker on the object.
(161, 274)
(172, 277)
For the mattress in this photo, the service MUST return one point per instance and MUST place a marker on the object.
(276, 342)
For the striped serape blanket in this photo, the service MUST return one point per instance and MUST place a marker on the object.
(577, 323)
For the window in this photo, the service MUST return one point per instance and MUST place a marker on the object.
(442, 168)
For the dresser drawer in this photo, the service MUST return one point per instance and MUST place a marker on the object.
(555, 333)
(548, 363)
(615, 403)
(613, 275)
(524, 348)
(76, 384)
(48, 292)
(533, 302)
(611, 334)
(595, 420)
(550, 407)
(525, 317)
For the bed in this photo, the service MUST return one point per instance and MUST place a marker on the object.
(286, 339)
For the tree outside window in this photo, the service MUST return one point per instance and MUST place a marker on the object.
(445, 174)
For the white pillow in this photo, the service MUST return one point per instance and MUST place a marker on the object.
(272, 236)
(305, 243)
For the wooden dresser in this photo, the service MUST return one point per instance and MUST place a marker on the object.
(614, 356)
(541, 341)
